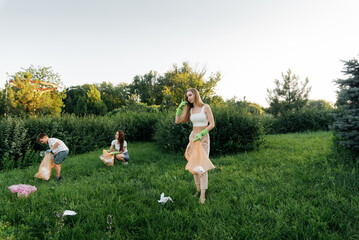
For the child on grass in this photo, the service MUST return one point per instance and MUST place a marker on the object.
(120, 145)
(59, 149)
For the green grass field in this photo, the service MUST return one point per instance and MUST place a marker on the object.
(293, 187)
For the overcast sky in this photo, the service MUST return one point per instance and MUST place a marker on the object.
(249, 42)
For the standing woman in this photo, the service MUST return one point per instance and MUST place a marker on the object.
(120, 145)
(200, 115)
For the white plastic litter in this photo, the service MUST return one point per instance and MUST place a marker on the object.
(69, 213)
(199, 170)
(164, 199)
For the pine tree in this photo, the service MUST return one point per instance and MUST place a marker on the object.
(288, 96)
(347, 120)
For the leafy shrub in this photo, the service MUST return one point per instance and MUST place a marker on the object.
(267, 121)
(19, 146)
(138, 126)
(170, 136)
(135, 107)
(235, 131)
(34, 126)
(304, 120)
(12, 142)
(82, 134)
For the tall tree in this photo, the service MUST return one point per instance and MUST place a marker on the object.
(319, 104)
(347, 120)
(31, 95)
(2, 102)
(73, 94)
(95, 105)
(81, 106)
(144, 87)
(249, 107)
(176, 81)
(168, 90)
(114, 96)
(288, 96)
(43, 74)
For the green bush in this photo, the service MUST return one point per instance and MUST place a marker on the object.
(14, 145)
(19, 146)
(34, 126)
(170, 136)
(235, 131)
(138, 126)
(304, 120)
(267, 121)
(135, 107)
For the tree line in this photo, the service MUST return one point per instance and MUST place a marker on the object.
(26, 96)
(35, 91)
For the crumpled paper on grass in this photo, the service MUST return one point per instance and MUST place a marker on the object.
(22, 189)
(164, 199)
(69, 213)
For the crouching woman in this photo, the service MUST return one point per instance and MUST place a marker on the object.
(120, 145)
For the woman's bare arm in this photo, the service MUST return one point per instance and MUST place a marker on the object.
(111, 148)
(208, 112)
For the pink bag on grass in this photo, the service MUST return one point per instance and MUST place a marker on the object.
(22, 189)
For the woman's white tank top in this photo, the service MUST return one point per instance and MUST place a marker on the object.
(199, 119)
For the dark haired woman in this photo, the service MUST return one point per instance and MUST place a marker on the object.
(120, 145)
(200, 115)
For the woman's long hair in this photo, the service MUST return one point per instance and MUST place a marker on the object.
(189, 105)
(121, 139)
